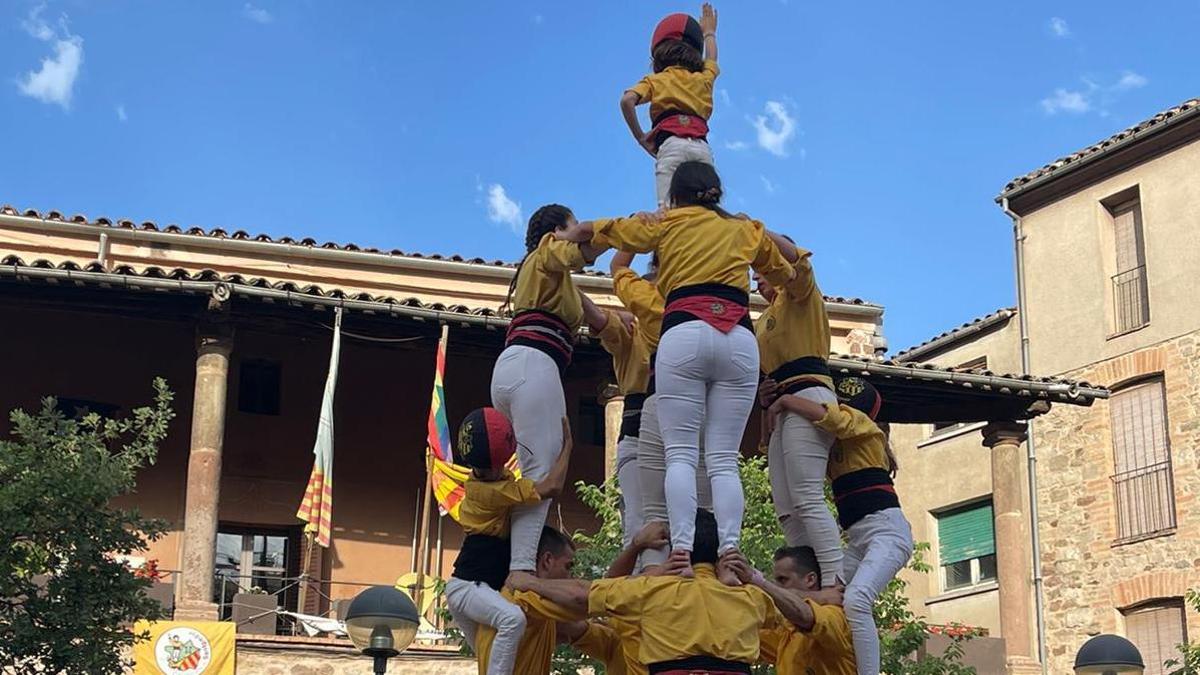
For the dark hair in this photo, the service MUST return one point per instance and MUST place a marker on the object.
(697, 184)
(704, 545)
(543, 221)
(676, 53)
(553, 542)
(803, 557)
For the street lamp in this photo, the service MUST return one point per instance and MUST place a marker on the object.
(1109, 655)
(382, 622)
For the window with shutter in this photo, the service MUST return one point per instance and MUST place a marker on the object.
(1143, 483)
(967, 546)
(1156, 629)
(1131, 302)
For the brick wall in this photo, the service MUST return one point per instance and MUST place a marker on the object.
(1088, 579)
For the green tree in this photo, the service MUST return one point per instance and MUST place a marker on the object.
(1188, 662)
(903, 632)
(67, 599)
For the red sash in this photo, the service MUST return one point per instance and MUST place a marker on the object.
(717, 312)
(683, 125)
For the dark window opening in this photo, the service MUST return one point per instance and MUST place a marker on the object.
(259, 387)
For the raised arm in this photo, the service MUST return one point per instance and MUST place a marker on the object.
(551, 486)
(708, 25)
(653, 535)
(788, 602)
(595, 318)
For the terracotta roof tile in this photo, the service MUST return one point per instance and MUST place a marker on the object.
(1063, 163)
(995, 316)
(218, 233)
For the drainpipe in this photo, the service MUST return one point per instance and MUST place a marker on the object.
(1030, 447)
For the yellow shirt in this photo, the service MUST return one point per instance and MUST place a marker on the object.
(795, 325)
(860, 442)
(826, 649)
(603, 644)
(537, 643)
(677, 88)
(486, 504)
(642, 300)
(630, 352)
(544, 281)
(677, 617)
(697, 246)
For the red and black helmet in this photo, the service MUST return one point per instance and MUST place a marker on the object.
(858, 394)
(678, 27)
(485, 440)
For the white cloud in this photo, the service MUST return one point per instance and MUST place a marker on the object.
(539, 19)
(1059, 27)
(724, 94)
(776, 133)
(502, 209)
(257, 14)
(736, 145)
(1067, 101)
(1130, 80)
(121, 112)
(768, 184)
(54, 82)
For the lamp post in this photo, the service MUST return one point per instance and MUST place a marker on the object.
(1109, 655)
(382, 622)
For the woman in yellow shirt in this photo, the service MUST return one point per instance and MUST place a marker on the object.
(793, 347)
(527, 377)
(706, 368)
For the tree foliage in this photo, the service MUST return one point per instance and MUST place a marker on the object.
(66, 598)
(1188, 662)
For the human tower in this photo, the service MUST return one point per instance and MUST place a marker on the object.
(691, 365)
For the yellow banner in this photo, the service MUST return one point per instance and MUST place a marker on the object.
(185, 648)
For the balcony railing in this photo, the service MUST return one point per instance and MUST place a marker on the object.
(1145, 499)
(1131, 305)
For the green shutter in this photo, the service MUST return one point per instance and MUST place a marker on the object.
(966, 533)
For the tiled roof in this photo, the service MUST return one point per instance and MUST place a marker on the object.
(218, 233)
(213, 277)
(948, 336)
(846, 364)
(1064, 163)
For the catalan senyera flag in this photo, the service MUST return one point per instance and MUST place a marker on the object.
(184, 648)
(445, 476)
(316, 509)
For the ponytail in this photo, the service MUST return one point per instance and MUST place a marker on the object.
(697, 184)
(545, 220)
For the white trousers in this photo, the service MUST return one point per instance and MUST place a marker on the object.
(797, 457)
(707, 382)
(877, 547)
(472, 603)
(673, 152)
(527, 389)
(652, 470)
(629, 478)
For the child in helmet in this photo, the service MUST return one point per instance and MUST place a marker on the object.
(486, 443)
(680, 94)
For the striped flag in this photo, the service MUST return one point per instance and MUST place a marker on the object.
(446, 477)
(316, 509)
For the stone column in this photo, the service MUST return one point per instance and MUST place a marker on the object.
(1014, 549)
(614, 408)
(204, 476)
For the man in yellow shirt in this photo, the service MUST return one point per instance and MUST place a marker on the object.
(816, 638)
(685, 625)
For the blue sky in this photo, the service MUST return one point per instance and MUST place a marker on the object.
(876, 134)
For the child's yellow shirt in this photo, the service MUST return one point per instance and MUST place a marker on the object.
(486, 504)
(678, 89)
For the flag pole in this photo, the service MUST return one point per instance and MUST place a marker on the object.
(423, 560)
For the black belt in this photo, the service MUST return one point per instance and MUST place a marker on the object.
(733, 295)
(798, 368)
(699, 664)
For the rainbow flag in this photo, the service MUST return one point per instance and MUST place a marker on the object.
(316, 508)
(445, 476)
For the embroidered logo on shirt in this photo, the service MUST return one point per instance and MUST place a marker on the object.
(717, 308)
(770, 323)
(684, 120)
(851, 387)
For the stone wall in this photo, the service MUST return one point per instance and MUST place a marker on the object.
(1088, 579)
